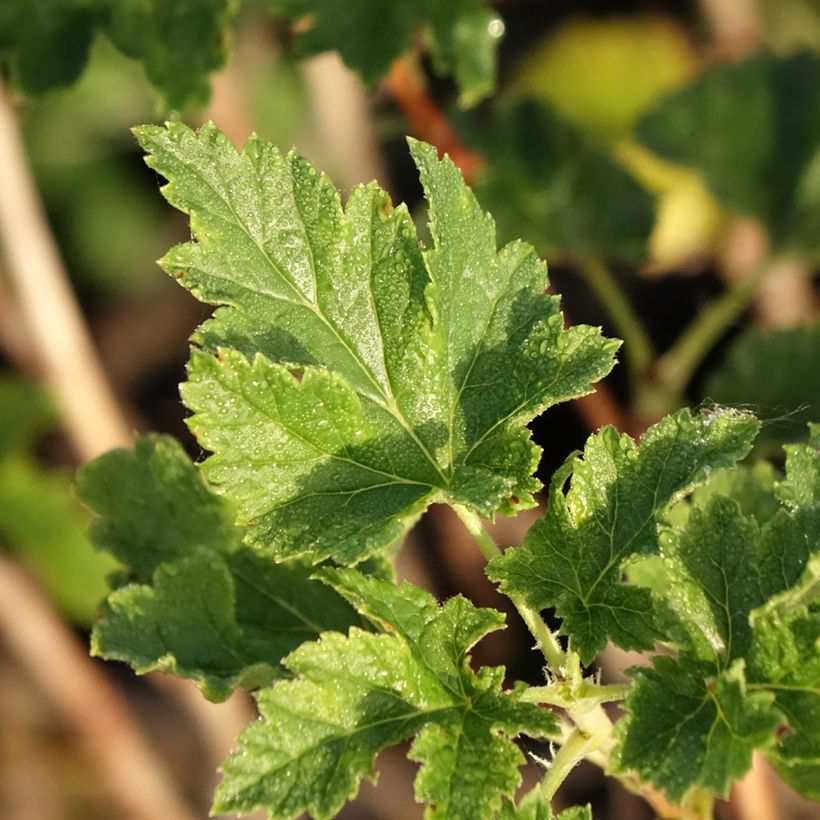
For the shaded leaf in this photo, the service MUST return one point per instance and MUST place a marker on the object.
(546, 181)
(767, 373)
(753, 130)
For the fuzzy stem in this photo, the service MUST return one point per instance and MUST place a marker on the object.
(547, 642)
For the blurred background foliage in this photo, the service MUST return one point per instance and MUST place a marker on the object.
(664, 157)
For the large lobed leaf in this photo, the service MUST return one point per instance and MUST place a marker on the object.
(742, 609)
(574, 557)
(193, 600)
(352, 377)
(354, 695)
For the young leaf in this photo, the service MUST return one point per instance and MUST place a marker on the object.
(354, 695)
(574, 556)
(195, 603)
(747, 648)
(534, 806)
(357, 377)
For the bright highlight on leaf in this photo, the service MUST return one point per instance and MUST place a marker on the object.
(352, 377)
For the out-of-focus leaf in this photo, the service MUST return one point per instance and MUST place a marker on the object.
(602, 74)
(180, 43)
(370, 34)
(753, 130)
(46, 42)
(546, 181)
(774, 374)
(43, 523)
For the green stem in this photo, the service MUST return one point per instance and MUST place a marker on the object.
(558, 694)
(627, 323)
(547, 642)
(579, 744)
(677, 366)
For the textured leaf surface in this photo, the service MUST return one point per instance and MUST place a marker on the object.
(785, 660)
(573, 557)
(785, 398)
(534, 806)
(353, 377)
(753, 130)
(194, 602)
(545, 181)
(370, 34)
(354, 695)
(742, 601)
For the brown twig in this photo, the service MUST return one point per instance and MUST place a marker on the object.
(60, 666)
(409, 89)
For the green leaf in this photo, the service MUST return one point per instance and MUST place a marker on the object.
(544, 180)
(687, 727)
(573, 558)
(358, 377)
(369, 35)
(785, 398)
(753, 130)
(180, 44)
(46, 42)
(785, 660)
(738, 612)
(354, 695)
(195, 602)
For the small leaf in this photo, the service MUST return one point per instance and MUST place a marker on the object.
(573, 557)
(352, 696)
(194, 601)
(368, 375)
